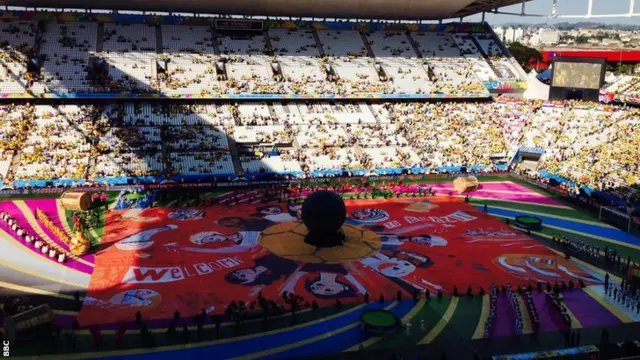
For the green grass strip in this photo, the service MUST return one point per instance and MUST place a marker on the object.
(569, 213)
(431, 313)
(131, 339)
(463, 324)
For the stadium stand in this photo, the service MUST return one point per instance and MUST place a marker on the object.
(133, 140)
(66, 49)
(588, 146)
(130, 52)
(190, 55)
(17, 43)
(627, 86)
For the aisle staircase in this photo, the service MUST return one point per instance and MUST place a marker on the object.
(486, 57)
(159, 39)
(267, 42)
(505, 50)
(366, 44)
(235, 154)
(414, 45)
(100, 38)
(319, 46)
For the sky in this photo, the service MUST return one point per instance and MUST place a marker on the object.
(565, 7)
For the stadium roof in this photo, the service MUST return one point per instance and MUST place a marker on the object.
(344, 9)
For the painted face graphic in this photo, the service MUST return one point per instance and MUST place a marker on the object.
(271, 210)
(429, 240)
(395, 268)
(327, 287)
(247, 276)
(186, 214)
(207, 237)
(369, 215)
(135, 298)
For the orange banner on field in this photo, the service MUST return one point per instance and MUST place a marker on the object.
(161, 260)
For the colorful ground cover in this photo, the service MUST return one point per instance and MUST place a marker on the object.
(326, 332)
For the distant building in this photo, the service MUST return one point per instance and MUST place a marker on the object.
(510, 34)
(611, 42)
(548, 36)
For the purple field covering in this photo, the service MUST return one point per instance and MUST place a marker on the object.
(10, 208)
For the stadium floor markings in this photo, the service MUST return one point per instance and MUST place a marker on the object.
(314, 339)
(138, 351)
(588, 222)
(28, 215)
(30, 290)
(519, 202)
(28, 253)
(484, 316)
(526, 318)
(587, 235)
(575, 227)
(543, 208)
(598, 290)
(575, 323)
(436, 330)
(367, 343)
(25, 271)
(493, 191)
(606, 303)
(463, 322)
(204, 327)
(431, 313)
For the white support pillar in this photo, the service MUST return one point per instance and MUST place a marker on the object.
(631, 7)
(554, 8)
(590, 9)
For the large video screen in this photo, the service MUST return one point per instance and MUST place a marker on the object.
(576, 75)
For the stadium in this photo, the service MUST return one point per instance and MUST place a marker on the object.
(271, 179)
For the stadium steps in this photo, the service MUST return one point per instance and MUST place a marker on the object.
(414, 45)
(486, 57)
(267, 42)
(366, 44)
(505, 50)
(100, 40)
(40, 29)
(159, 39)
(318, 42)
(214, 38)
(272, 112)
(235, 155)
(375, 114)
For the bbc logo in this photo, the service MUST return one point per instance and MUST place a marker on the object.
(5, 349)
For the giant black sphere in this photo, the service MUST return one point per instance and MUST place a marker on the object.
(324, 212)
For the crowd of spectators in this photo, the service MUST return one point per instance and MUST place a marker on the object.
(591, 147)
(627, 86)
(179, 60)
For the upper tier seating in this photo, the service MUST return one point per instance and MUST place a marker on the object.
(191, 59)
(130, 52)
(17, 42)
(66, 48)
